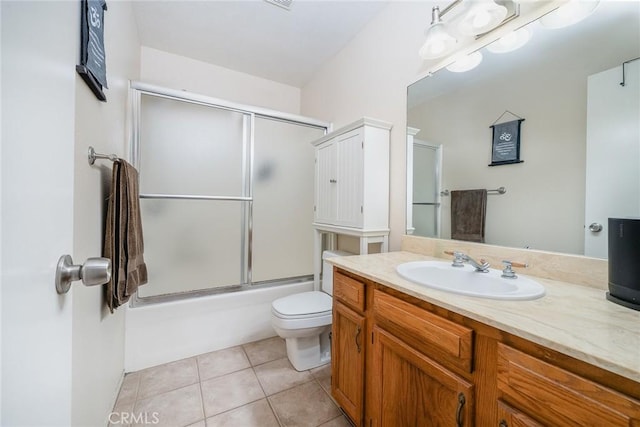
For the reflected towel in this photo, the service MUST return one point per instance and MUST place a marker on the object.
(468, 211)
(123, 236)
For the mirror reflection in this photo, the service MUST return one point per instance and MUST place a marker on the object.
(580, 138)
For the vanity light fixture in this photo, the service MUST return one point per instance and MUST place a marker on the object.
(473, 18)
(438, 41)
(569, 13)
(466, 63)
(510, 42)
(483, 16)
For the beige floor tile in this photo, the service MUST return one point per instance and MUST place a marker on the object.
(222, 362)
(266, 350)
(256, 414)
(325, 382)
(170, 376)
(321, 371)
(129, 388)
(280, 375)
(304, 405)
(341, 421)
(179, 407)
(120, 416)
(230, 391)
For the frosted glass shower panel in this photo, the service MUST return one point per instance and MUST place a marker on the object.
(283, 181)
(191, 245)
(188, 148)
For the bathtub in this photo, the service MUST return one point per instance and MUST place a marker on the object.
(161, 333)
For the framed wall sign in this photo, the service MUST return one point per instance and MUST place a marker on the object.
(505, 147)
(93, 67)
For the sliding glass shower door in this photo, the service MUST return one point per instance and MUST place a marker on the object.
(226, 196)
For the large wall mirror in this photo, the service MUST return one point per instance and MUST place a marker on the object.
(580, 141)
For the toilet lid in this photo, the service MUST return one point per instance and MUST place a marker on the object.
(303, 303)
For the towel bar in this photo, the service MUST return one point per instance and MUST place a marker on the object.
(92, 156)
(499, 190)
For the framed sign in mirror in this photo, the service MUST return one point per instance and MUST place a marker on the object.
(505, 146)
(92, 67)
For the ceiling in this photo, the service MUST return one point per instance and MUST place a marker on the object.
(253, 36)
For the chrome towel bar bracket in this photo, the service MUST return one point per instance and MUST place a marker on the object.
(92, 156)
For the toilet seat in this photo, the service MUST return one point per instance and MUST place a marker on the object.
(303, 305)
(301, 311)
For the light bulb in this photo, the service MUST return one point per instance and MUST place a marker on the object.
(481, 19)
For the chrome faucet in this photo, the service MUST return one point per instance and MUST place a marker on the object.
(460, 258)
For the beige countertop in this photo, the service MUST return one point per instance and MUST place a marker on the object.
(572, 319)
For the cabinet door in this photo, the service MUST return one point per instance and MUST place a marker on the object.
(347, 355)
(511, 417)
(326, 183)
(349, 175)
(414, 390)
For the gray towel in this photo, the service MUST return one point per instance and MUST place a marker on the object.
(468, 211)
(123, 236)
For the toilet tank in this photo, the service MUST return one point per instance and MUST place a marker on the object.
(327, 269)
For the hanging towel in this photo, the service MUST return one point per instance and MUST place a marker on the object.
(123, 236)
(468, 211)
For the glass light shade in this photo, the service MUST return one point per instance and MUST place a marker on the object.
(438, 43)
(569, 13)
(483, 16)
(512, 41)
(466, 63)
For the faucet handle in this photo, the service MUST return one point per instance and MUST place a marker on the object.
(458, 260)
(508, 272)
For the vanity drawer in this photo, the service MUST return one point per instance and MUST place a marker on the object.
(559, 397)
(443, 340)
(348, 290)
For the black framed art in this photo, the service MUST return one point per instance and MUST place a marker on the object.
(505, 147)
(93, 67)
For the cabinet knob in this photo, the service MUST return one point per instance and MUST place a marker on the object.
(333, 181)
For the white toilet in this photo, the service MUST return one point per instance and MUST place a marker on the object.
(304, 321)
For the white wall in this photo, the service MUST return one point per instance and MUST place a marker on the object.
(179, 72)
(98, 336)
(369, 77)
(39, 45)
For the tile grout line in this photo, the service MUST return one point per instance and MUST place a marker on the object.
(253, 368)
(172, 389)
(204, 413)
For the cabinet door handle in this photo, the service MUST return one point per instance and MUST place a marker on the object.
(461, 402)
(333, 181)
(503, 423)
(358, 331)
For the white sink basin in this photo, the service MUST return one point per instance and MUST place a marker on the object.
(466, 281)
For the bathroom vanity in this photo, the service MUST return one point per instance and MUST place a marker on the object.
(406, 355)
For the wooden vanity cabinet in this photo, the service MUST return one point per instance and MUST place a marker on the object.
(554, 396)
(347, 346)
(422, 365)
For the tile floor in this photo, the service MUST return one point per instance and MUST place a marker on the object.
(249, 385)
